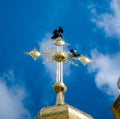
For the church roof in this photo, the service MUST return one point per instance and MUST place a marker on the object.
(64, 111)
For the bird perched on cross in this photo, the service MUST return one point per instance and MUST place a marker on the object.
(57, 33)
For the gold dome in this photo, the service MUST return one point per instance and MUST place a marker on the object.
(62, 112)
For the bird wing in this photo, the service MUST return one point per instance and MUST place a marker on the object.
(60, 30)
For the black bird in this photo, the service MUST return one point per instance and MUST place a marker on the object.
(74, 53)
(57, 33)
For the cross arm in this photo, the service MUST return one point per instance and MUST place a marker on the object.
(35, 54)
(84, 60)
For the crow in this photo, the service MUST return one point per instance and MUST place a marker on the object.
(74, 53)
(57, 33)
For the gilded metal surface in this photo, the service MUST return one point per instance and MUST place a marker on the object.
(116, 108)
(59, 87)
(59, 42)
(34, 54)
(62, 112)
(84, 60)
(60, 57)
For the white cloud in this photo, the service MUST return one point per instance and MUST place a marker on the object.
(51, 67)
(11, 98)
(107, 69)
(109, 22)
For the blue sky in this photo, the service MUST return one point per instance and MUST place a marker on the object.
(91, 26)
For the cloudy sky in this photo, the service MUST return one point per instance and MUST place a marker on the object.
(91, 26)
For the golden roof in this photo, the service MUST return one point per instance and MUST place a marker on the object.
(64, 111)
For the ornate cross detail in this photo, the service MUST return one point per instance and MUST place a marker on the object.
(60, 56)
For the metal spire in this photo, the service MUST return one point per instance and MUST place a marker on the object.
(59, 56)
